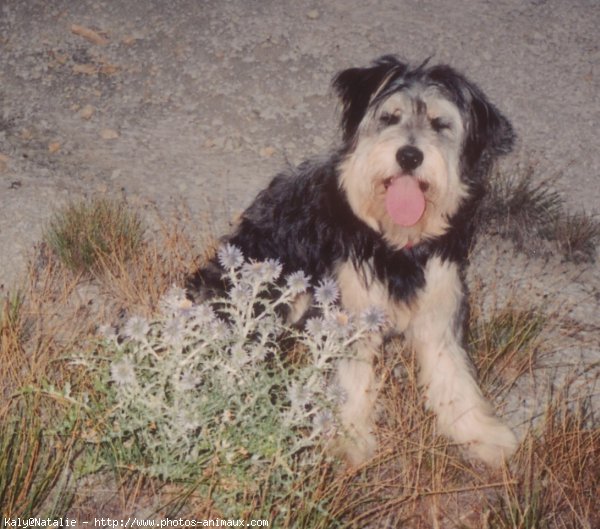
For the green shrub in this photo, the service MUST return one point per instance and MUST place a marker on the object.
(205, 394)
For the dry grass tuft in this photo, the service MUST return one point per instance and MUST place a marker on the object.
(137, 284)
(34, 463)
(577, 236)
(39, 323)
(554, 478)
(518, 207)
(505, 345)
(13, 334)
(92, 234)
(529, 212)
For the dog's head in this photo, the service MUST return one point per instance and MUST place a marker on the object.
(416, 142)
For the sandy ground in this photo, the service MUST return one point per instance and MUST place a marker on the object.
(193, 105)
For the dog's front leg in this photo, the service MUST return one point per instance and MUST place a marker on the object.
(446, 373)
(356, 379)
(356, 374)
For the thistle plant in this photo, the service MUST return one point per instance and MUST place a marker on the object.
(205, 393)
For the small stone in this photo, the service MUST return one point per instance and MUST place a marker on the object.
(319, 142)
(87, 112)
(60, 58)
(89, 34)
(54, 147)
(85, 69)
(107, 68)
(109, 134)
(267, 152)
(313, 14)
(129, 40)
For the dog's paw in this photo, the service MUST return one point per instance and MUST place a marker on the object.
(356, 449)
(474, 426)
(491, 441)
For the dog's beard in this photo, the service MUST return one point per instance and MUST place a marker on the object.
(365, 176)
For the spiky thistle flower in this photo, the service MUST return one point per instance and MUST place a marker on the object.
(122, 372)
(136, 329)
(298, 282)
(327, 292)
(230, 257)
(373, 319)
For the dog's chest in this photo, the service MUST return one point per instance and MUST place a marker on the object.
(361, 289)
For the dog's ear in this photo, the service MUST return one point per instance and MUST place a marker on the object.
(356, 87)
(488, 132)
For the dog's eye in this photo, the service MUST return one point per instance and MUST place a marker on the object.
(438, 124)
(388, 119)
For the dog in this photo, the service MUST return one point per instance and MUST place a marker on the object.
(391, 216)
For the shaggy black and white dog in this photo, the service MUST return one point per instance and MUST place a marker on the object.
(390, 216)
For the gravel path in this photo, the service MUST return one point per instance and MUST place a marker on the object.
(195, 104)
(200, 102)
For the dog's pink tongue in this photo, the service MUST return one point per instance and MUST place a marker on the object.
(404, 201)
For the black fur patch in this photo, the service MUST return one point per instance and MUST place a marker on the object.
(304, 220)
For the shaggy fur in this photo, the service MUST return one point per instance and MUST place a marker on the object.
(328, 218)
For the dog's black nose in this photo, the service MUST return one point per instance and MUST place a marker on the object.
(409, 157)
